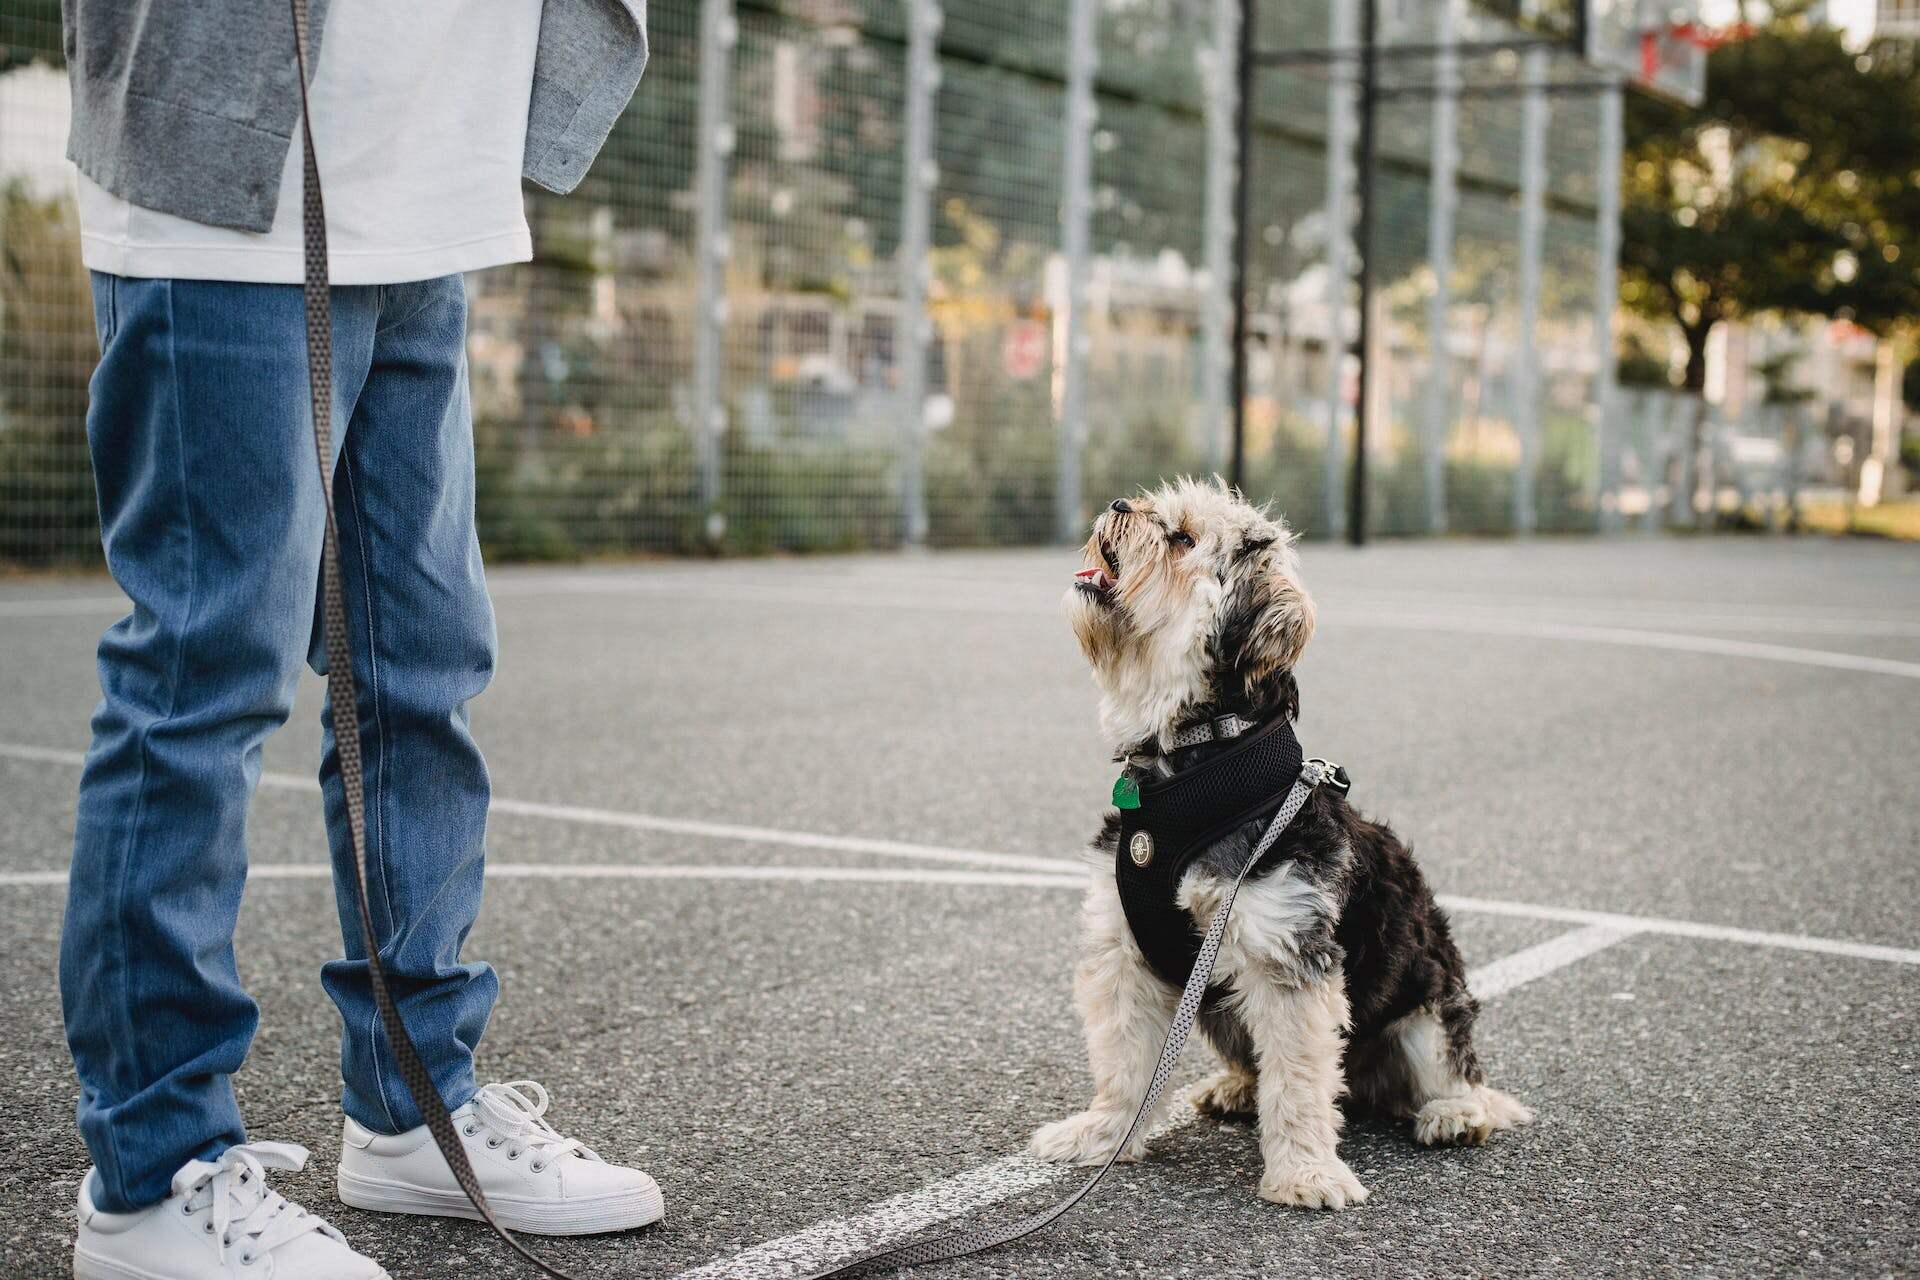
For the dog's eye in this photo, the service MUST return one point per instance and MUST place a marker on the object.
(1180, 538)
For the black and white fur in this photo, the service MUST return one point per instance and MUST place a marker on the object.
(1339, 973)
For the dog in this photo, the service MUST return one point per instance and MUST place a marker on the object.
(1337, 977)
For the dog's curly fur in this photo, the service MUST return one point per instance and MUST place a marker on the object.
(1338, 974)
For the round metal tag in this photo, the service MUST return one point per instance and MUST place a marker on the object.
(1140, 848)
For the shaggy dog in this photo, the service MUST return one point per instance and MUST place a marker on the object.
(1337, 974)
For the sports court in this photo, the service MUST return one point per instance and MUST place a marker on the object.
(783, 901)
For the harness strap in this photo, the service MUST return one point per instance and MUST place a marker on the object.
(969, 1240)
(1217, 729)
(342, 699)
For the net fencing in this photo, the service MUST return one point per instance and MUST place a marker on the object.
(735, 335)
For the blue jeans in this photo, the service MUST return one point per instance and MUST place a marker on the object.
(211, 517)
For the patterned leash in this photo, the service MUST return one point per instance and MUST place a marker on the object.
(342, 700)
(343, 703)
(978, 1239)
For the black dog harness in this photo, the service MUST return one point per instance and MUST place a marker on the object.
(1165, 825)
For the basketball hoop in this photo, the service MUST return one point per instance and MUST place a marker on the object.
(1659, 45)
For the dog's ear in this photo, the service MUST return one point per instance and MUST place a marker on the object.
(1266, 623)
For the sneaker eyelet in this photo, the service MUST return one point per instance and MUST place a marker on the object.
(186, 1209)
(538, 1166)
(248, 1259)
(471, 1129)
(209, 1226)
(493, 1144)
(513, 1155)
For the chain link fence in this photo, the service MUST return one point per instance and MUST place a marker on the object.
(856, 273)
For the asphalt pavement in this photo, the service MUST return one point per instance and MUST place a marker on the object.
(783, 907)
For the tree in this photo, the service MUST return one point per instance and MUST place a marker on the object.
(1789, 191)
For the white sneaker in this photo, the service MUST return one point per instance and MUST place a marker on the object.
(221, 1223)
(536, 1180)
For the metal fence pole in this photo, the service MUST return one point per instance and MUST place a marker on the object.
(1076, 207)
(913, 330)
(1526, 370)
(1606, 297)
(719, 32)
(1368, 366)
(1216, 314)
(1340, 133)
(1442, 201)
(1242, 245)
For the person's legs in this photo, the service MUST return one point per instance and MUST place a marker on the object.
(423, 645)
(422, 634)
(211, 522)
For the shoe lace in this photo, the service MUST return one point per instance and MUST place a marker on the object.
(243, 1208)
(514, 1113)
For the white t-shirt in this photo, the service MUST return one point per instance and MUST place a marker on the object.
(419, 127)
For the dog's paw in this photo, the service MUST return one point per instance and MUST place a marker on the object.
(1231, 1093)
(1087, 1138)
(1470, 1119)
(1326, 1184)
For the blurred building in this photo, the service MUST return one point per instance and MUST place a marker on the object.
(1897, 20)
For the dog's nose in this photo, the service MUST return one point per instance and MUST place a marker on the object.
(1120, 505)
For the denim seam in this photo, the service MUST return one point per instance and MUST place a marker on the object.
(378, 807)
(125, 869)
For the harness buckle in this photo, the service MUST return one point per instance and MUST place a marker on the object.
(1320, 772)
(1225, 727)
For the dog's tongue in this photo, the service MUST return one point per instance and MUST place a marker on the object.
(1098, 577)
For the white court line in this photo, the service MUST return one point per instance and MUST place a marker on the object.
(1685, 929)
(653, 871)
(1054, 872)
(62, 606)
(912, 1212)
(1466, 615)
(653, 822)
(1522, 967)
(1628, 638)
(1598, 922)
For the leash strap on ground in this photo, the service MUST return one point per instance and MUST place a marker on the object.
(342, 699)
(969, 1240)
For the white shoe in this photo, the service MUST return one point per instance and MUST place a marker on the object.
(221, 1223)
(536, 1180)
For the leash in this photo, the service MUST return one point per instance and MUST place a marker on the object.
(342, 698)
(970, 1240)
(344, 704)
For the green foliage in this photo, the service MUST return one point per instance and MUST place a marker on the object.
(30, 32)
(47, 353)
(1639, 367)
(1788, 191)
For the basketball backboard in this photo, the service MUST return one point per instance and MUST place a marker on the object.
(1660, 46)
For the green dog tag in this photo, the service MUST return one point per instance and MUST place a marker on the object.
(1126, 792)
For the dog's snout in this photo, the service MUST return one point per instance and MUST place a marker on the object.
(1121, 506)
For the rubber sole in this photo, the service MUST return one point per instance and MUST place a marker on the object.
(622, 1211)
(91, 1266)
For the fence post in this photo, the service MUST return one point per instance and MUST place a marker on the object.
(1606, 297)
(719, 32)
(1442, 200)
(1075, 236)
(1216, 308)
(1526, 369)
(913, 331)
(1343, 35)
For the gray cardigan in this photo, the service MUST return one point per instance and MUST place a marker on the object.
(188, 108)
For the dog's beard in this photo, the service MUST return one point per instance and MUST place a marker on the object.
(1187, 597)
(1143, 620)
